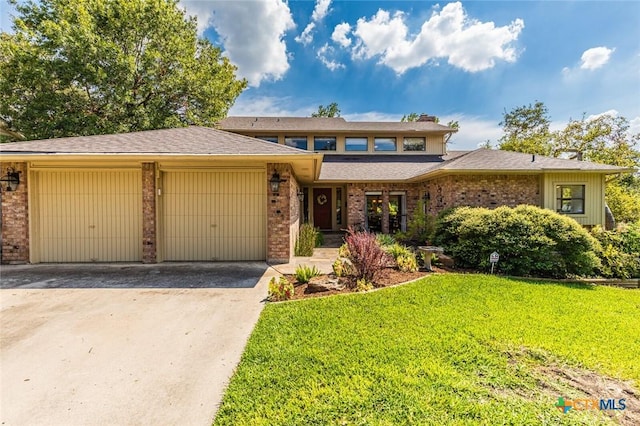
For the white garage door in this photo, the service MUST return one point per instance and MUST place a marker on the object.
(88, 216)
(214, 215)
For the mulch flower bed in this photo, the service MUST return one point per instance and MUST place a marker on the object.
(385, 278)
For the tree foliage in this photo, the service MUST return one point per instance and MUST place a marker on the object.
(108, 66)
(526, 129)
(330, 110)
(411, 117)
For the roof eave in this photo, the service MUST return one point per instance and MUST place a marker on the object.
(149, 156)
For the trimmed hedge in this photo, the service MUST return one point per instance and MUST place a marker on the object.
(531, 241)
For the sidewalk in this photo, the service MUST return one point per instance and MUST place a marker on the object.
(323, 258)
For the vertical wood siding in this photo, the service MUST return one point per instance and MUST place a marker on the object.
(435, 145)
(594, 195)
(214, 215)
(86, 216)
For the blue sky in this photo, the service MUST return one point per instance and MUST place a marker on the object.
(467, 61)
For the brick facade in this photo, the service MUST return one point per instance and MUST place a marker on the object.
(283, 215)
(450, 191)
(488, 191)
(15, 216)
(149, 238)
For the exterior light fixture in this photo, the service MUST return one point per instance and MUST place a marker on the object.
(426, 197)
(274, 182)
(12, 178)
(301, 196)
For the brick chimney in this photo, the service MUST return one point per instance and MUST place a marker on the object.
(427, 117)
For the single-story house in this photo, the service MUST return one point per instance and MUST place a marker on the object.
(241, 191)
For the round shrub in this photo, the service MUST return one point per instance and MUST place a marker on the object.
(531, 241)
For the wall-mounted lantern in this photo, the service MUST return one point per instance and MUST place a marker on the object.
(274, 182)
(12, 178)
(426, 197)
(300, 196)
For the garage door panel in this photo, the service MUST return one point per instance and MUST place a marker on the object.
(89, 216)
(214, 215)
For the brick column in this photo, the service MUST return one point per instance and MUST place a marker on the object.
(356, 205)
(15, 216)
(149, 241)
(385, 212)
(279, 210)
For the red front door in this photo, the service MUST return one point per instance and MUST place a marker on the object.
(322, 208)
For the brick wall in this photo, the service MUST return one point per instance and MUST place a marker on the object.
(15, 217)
(282, 215)
(451, 191)
(149, 240)
(489, 191)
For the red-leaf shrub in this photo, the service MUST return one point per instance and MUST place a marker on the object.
(365, 254)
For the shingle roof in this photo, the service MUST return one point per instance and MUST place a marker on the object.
(379, 167)
(323, 124)
(498, 160)
(180, 141)
(375, 168)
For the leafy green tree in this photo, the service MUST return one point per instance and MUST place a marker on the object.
(107, 66)
(412, 116)
(330, 110)
(526, 129)
(604, 139)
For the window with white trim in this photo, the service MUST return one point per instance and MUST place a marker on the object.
(570, 199)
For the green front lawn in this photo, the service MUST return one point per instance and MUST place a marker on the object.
(448, 349)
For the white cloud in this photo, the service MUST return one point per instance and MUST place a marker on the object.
(202, 10)
(340, 34)
(258, 50)
(474, 131)
(634, 126)
(466, 43)
(323, 54)
(595, 57)
(268, 106)
(611, 112)
(319, 12)
(372, 116)
(306, 37)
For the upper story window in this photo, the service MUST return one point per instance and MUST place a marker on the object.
(356, 144)
(296, 141)
(268, 138)
(385, 144)
(414, 144)
(323, 143)
(570, 199)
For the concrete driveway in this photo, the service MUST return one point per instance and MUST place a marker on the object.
(123, 344)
